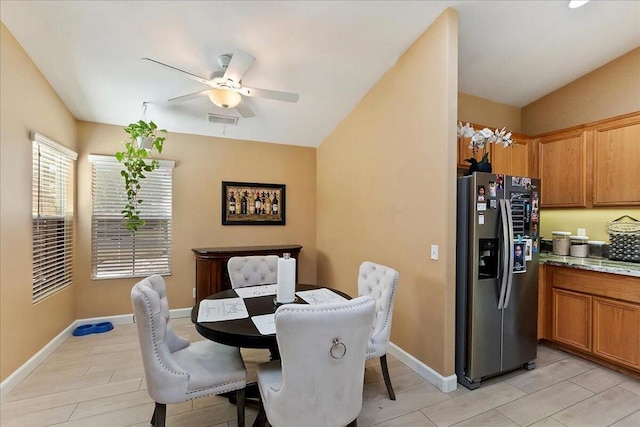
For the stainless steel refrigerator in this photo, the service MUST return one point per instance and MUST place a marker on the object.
(496, 275)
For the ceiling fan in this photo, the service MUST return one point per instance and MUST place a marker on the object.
(226, 85)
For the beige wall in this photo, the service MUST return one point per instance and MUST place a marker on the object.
(201, 164)
(482, 111)
(27, 103)
(609, 91)
(385, 186)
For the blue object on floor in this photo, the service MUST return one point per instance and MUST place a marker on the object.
(102, 327)
(98, 328)
(83, 330)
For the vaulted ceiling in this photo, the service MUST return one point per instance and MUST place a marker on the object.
(329, 52)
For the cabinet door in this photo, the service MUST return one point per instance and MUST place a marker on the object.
(616, 331)
(513, 160)
(617, 166)
(562, 171)
(572, 319)
(464, 152)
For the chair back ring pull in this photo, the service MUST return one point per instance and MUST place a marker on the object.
(338, 349)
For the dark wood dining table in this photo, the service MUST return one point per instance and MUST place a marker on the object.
(243, 332)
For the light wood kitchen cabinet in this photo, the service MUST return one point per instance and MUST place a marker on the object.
(616, 331)
(595, 164)
(513, 160)
(572, 319)
(562, 161)
(595, 315)
(616, 164)
(464, 152)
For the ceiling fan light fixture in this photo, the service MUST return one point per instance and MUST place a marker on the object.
(574, 4)
(224, 98)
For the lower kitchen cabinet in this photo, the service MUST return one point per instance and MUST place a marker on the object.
(616, 331)
(595, 314)
(572, 319)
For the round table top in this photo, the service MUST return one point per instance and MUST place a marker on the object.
(243, 332)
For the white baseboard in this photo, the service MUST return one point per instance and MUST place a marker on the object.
(445, 384)
(23, 371)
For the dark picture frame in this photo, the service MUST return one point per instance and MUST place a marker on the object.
(240, 202)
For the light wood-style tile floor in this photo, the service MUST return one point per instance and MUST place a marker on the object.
(98, 380)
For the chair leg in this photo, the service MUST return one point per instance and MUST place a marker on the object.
(159, 415)
(240, 406)
(385, 375)
(261, 418)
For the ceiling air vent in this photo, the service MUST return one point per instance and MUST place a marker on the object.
(225, 120)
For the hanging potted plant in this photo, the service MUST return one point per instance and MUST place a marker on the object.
(143, 139)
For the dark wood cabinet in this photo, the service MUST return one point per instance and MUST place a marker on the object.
(211, 265)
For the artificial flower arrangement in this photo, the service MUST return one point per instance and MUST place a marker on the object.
(481, 138)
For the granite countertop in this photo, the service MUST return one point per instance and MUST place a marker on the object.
(600, 265)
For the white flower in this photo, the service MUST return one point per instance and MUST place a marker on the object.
(480, 138)
(465, 131)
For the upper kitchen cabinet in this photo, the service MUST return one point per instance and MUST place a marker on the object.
(595, 164)
(513, 160)
(562, 160)
(616, 162)
(464, 152)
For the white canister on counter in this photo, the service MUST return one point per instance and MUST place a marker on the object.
(561, 242)
(579, 246)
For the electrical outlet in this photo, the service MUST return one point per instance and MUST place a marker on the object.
(434, 252)
(194, 293)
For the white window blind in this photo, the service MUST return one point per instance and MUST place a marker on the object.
(52, 212)
(116, 252)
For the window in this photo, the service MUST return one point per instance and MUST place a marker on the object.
(52, 214)
(116, 252)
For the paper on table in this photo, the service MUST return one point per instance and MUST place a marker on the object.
(215, 310)
(320, 296)
(266, 324)
(256, 291)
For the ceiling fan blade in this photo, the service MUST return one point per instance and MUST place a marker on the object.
(244, 110)
(190, 96)
(270, 94)
(190, 75)
(241, 61)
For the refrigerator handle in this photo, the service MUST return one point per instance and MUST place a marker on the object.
(506, 253)
(511, 242)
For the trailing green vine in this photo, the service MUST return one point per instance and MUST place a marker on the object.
(135, 159)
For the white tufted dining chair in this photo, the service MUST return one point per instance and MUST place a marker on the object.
(175, 370)
(319, 379)
(379, 282)
(252, 270)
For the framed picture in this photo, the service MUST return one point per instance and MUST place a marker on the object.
(246, 203)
